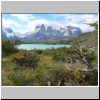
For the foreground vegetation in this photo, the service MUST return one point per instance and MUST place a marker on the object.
(55, 67)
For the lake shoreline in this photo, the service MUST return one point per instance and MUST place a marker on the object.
(40, 46)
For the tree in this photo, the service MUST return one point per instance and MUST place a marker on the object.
(95, 25)
(8, 47)
(84, 54)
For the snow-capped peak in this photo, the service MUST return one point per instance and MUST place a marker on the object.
(47, 25)
(9, 32)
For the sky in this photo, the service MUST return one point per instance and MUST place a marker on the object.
(27, 22)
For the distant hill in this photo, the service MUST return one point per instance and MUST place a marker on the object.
(89, 39)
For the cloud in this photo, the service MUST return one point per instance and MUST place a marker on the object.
(81, 20)
(28, 22)
(23, 17)
(34, 23)
(85, 19)
(22, 31)
(9, 23)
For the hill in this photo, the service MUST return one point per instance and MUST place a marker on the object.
(90, 40)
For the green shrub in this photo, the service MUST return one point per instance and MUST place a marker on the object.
(8, 47)
(59, 56)
(19, 79)
(90, 56)
(93, 78)
(27, 59)
(62, 54)
(79, 75)
(52, 74)
(38, 51)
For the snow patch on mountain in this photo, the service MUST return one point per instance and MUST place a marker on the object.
(8, 32)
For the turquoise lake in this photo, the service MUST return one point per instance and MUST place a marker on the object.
(40, 46)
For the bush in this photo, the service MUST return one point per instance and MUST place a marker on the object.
(90, 56)
(52, 74)
(38, 51)
(93, 78)
(62, 54)
(17, 80)
(8, 47)
(79, 75)
(59, 56)
(24, 58)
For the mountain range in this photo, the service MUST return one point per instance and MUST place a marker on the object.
(42, 32)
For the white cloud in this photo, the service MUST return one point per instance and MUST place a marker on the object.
(85, 19)
(23, 17)
(34, 23)
(21, 31)
(83, 27)
(77, 20)
(80, 21)
(9, 23)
